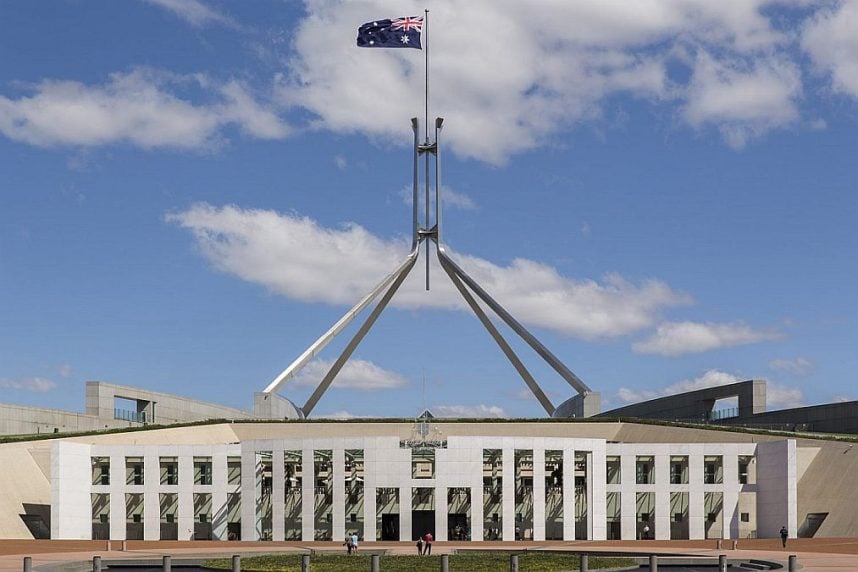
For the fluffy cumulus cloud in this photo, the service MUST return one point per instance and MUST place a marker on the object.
(195, 12)
(777, 395)
(799, 366)
(34, 384)
(678, 338)
(481, 411)
(743, 100)
(296, 257)
(449, 198)
(144, 107)
(830, 37)
(512, 89)
(736, 68)
(356, 374)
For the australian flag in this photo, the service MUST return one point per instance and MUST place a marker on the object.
(397, 33)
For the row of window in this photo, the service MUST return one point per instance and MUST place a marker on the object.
(169, 470)
(713, 470)
(422, 467)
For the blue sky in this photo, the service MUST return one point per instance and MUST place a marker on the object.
(663, 192)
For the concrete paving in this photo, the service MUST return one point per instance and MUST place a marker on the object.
(822, 555)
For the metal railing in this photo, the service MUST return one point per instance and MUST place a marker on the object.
(129, 415)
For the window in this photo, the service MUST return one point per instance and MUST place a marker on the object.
(613, 470)
(712, 470)
(100, 470)
(677, 517)
(133, 470)
(169, 471)
(202, 470)
(745, 517)
(644, 472)
(712, 516)
(679, 470)
(233, 470)
(422, 463)
(747, 475)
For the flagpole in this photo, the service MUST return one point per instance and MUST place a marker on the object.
(425, 39)
(426, 67)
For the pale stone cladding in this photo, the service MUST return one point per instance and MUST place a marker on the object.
(388, 465)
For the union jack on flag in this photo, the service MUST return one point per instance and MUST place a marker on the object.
(392, 33)
(407, 23)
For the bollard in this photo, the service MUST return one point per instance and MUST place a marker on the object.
(793, 564)
(718, 544)
(166, 563)
(28, 563)
(96, 564)
(653, 563)
(305, 563)
(124, 545)
(722, 563)
(513, 563)
(236, 563)
(585, 563)
(373, 563)
(735, 544)
(445, 563)
(107, 545)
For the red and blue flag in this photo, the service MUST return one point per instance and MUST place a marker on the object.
(396, 33)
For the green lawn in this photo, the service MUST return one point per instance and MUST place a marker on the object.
(468, 562)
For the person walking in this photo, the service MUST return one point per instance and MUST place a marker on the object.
(348, 544)
(354, 542)
(419, 546)
(784, 535)
(646, 532)
(427, 538)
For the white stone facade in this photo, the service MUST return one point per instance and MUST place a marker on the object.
(458, 465)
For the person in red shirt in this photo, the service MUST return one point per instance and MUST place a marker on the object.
(427, 539)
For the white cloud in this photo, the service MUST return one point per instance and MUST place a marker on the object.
(356, 374)
(831, 39)
(195, 13)
(449, 198)
(341, 162)
(710, 378)
(34, 384)
(65, 370)
(139, 108)
(783, 397)
(777, 395)
(627, 395)
(462, 411)
(503, 96)
(296, 257)
(743, 100)
(798, 366)
(341, 414)
(678, 338)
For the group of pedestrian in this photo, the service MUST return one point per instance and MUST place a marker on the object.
(351, 544)
(424, 544)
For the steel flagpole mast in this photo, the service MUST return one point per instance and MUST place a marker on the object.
(425, 41)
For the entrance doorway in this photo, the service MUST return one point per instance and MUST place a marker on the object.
(390, 527)
(422, 521)
(457, 527)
